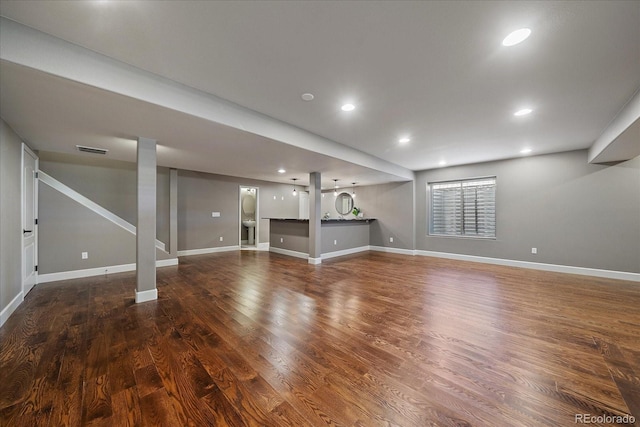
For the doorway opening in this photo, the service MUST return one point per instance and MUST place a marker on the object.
(303, 205)
(249, 218)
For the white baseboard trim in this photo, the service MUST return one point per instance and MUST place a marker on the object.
(11, 307)
(343, 252)
(608, 274)
(263, 246)
(166, 262)
(393, 250)
(314, 261)
(296, 254)
(208, 250)
(98, 271)
(144, 296)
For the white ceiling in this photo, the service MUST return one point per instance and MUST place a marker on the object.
(61, 114)
(433, 70)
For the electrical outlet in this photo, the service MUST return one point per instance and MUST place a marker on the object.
(221, 238)
(215, 214)
(390, 239)
(274, 197)
(335, 242)
(85, 255)
(534, 250)
(282, 240)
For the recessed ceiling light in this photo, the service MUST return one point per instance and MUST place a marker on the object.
(523, 112)
(307, 97)
(442, 163)
(404, 140)
(525, 151)
(281, 170)
(518, 36)
(348, 107)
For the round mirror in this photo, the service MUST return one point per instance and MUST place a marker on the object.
(344, 203)
(248, 204)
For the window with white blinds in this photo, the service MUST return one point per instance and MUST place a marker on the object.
(463, 208)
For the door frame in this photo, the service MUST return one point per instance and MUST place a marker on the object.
(257, 230)
(25, 148)
(303, 205)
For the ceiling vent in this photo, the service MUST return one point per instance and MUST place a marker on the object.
(91, 150)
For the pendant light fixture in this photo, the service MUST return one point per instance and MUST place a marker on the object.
(295, 193)
(353, 189)
(335, 187)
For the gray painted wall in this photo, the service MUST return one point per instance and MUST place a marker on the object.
(163, 205)
(328, 204)
(109, 183)
(391, 204)
(66, 228)
(200, 193)
(340, 236)
(295, 235)
(574, 213)
(336, 236)
(10, 221)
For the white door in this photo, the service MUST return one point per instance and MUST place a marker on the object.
(29, 221)
(303, 206)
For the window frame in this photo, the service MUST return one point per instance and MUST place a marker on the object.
(430, 215)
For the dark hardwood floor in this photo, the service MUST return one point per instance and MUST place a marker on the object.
(259, 339)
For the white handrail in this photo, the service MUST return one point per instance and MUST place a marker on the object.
(90, 204)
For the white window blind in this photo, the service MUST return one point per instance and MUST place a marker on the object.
(463, 208)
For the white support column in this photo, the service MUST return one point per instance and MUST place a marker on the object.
(315, 215)
(146, 225)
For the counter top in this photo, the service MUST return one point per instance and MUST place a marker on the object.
(325, 220)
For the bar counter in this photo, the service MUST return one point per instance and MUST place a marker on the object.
(290, 236)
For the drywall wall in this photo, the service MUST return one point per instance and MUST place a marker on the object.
(109, 183)
(10, 221)
(574, 213)
(163, 206)
(328, 204)
(200, 194)
(294, 235)
(391, 204)
(341, 236)
(66, 229)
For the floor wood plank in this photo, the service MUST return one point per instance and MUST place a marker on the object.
(258, 339)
